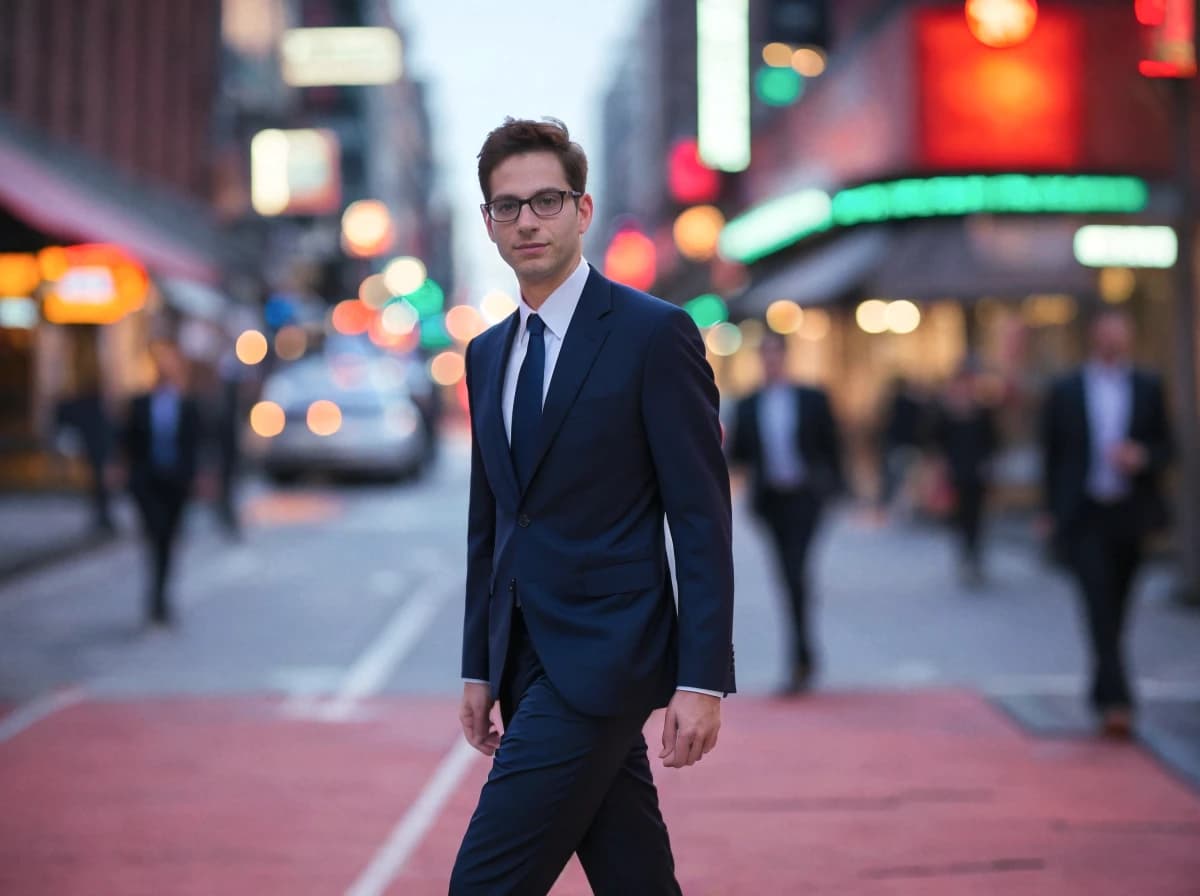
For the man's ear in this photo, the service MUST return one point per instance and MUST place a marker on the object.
(586, 210)
(488, 223)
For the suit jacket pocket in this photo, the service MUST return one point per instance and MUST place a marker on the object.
(616, 578)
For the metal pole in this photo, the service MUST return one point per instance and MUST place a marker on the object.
(1187, 423)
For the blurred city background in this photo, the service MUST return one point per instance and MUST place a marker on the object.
(919, 196)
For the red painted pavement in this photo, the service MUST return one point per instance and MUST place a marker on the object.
(875, 794)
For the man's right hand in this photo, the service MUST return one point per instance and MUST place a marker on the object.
(476, 718)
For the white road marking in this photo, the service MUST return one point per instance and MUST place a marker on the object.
(370, 671)
(408, 833)
(34, 711)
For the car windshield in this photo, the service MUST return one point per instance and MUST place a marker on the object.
(352, 382)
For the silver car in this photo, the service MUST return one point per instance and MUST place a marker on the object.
(345, 414)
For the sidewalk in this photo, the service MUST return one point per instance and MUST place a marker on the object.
(37, 529)
(920, 793)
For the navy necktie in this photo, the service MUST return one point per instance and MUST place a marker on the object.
(527, 405)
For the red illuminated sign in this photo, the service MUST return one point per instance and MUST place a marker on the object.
(1168, 38)
(983, 108)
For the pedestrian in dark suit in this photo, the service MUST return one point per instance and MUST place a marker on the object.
(1106, 439)
(160, 440)
(786, 436)
(964, 434)
(594, 415)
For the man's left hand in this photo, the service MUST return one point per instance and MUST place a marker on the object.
(1129, 457)
(690, 728)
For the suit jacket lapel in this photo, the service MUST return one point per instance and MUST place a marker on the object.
(494, 439)
(585, 336)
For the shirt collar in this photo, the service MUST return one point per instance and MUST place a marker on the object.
(558, 309)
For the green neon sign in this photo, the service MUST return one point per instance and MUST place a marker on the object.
(779, 223)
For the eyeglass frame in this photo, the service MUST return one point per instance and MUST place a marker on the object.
(486, 207)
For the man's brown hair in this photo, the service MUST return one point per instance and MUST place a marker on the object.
(521, 135)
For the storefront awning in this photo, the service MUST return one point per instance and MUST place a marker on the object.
(821, 275)
(947, 258)
(77, 198)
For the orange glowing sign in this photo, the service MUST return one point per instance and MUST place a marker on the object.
(991, 109)
(19, 274)
(1169, 38)
(96, 283)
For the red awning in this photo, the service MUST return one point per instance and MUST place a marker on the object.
(50, 199)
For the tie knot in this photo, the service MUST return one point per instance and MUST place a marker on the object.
(535, 325)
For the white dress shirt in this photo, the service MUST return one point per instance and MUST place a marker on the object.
(164, 422)
(1108, 394)
(778, 413)
(556, 313)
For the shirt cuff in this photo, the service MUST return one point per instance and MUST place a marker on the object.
(701, 691)
(476, 681)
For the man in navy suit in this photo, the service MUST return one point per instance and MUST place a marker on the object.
(786, 437)
(1106, 441)
(594, 417)
(161, 441)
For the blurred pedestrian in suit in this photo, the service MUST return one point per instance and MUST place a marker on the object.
(964, 434)
(1105, 440)
(161, 443)
(904, 431)
(785, 435)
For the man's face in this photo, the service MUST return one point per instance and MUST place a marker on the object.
(538, 249)
(1112, 339)
(773, 354)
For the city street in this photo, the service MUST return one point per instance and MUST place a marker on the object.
(297, 733)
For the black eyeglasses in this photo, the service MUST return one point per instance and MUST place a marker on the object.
(545, 204)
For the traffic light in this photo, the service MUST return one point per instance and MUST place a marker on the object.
(798, 23)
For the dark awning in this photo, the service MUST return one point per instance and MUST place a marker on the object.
(945, 258)
(821, 275)
(76, 197)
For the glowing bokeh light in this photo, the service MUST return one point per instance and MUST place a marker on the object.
(399, 318)
(785, 316)
(724, 339)
(631, 259)
(902, 316)
(696, 232)
(324, 417)
(367, 228)
(809, 62)
(291, 343)
(350, 317)
(373, 292)
(871, 316)
(447, 368)
(404, 275)
(707, 310)
(251, 347)
(777, 55)
(463, 323)
(496, 305)
(267, 419)
(1001, 23)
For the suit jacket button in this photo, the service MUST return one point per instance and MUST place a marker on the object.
(523, 521)
(512, 584)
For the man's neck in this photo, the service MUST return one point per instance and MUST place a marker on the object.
(535, 294)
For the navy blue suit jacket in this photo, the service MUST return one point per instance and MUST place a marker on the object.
(629, 432)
